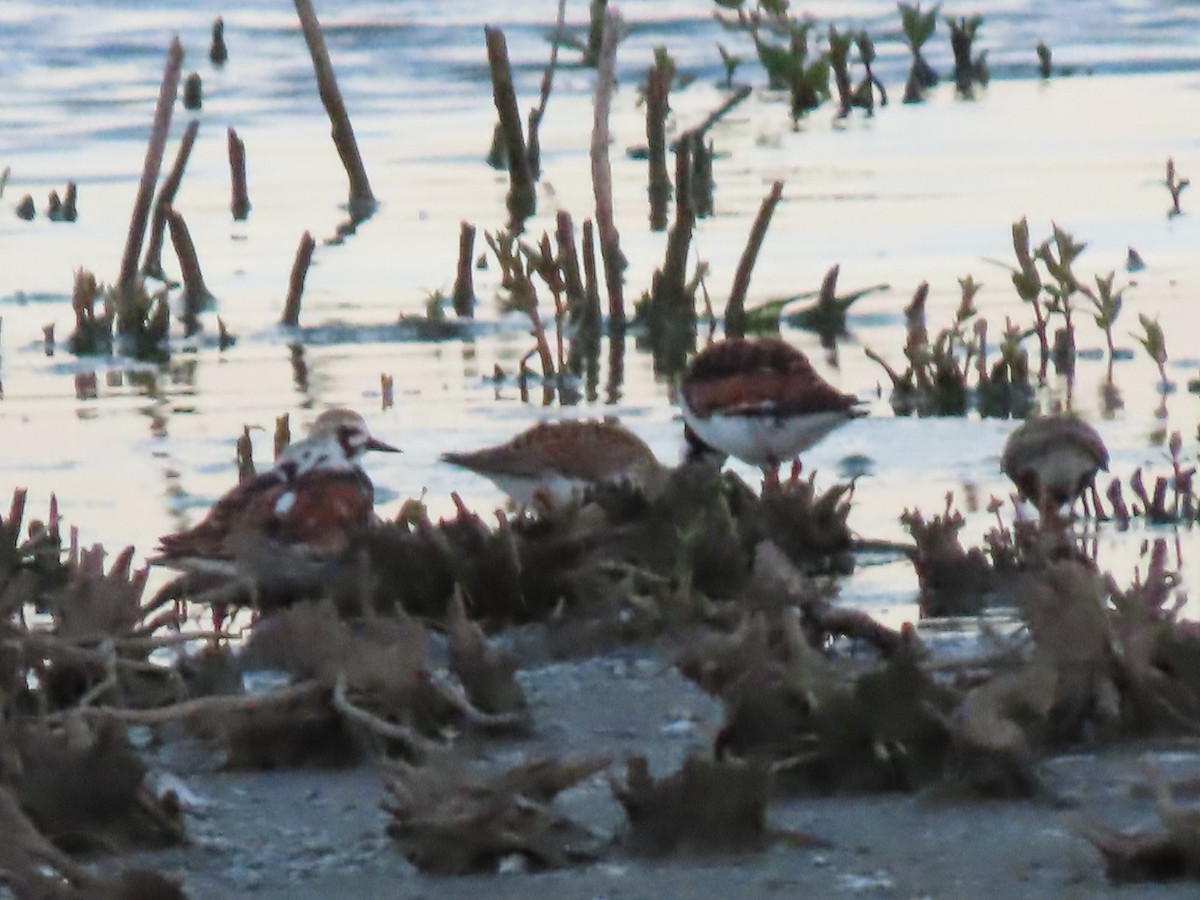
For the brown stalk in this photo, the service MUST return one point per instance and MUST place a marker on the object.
(522, 198)
(464, 281)
(591, 277)
(70, 200)
(536, 114)
(669, 291)
(735, 309)
(362, 200)
(150, 169)
(525, 286)
(568, 261)
(585, 341)
(606, 228)
(195, 292)
(658, 88)
(291, 305)
(152, 263)
(553, 276)
(240, 202)
(218, 53)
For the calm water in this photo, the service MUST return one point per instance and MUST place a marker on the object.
(917, 193)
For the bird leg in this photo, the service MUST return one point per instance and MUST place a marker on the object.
(771, 475)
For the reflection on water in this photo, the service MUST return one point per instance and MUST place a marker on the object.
(916, 193)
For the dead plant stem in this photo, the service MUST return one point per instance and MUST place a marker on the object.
(362, 200)
(735, 309)
(610, 241)
(152, 261)
(150, 170)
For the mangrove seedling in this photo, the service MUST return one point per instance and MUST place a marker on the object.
(864, 93)
(1064, 285)
(788, 65)
(1028, 282)
(1176, 186)
(826, 315)
(1107, 302)
(730, 62)
(969, 70)
(918, 27)
(1155, 342)
(1043, 55)
(839, 62)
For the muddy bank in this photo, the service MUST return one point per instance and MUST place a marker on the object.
(317, 834)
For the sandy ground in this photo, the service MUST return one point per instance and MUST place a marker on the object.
(316, 834)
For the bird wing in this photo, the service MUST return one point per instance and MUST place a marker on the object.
(765, 393)
(240, 508)
(326, 512)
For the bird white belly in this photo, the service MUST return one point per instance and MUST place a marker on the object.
(1063, 467)
(551, 486)
(759, 440)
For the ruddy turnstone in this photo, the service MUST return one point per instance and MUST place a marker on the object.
(759, 400)
(1053, 459)
(288, 527)
(554, 462)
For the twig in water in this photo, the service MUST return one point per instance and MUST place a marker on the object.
(536, 114)
(735, 309)
(387, 390)
(610, 240)
(240, 202)
(150, 169)
(584, 327)
(658, 88)
(291, 305)
(217, 51)
(152, 263)
(670, 310)
(522, 198)
(70, 200)
(362, 200)
(585, 339)
(195, 292)
(464, 281)
(193, 92)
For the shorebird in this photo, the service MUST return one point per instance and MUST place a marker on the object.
(553, 463)
(759, 400)
(294, 525)
(1052, 460)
